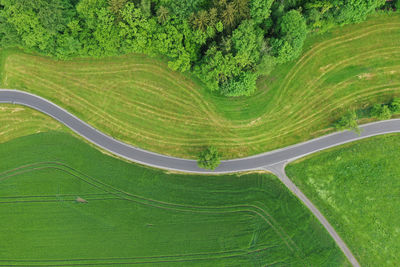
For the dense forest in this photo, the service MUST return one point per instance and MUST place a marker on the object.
(227, 44)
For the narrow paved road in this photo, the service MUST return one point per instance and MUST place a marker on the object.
(279, 171)
(171, 163)
(274, 161)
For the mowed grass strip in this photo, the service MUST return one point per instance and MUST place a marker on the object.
(356, 186)
(17, 121)
(140, 215)
(140, 101)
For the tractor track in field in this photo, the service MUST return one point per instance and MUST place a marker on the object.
(126, 196)
(117, 261)
(122, 195)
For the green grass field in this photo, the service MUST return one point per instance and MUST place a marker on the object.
(357, 187)
(17, 121)
(140, 101)
(141, 215)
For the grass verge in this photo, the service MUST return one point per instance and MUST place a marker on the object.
(356, 186)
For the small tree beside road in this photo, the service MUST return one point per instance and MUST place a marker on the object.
(209, 158)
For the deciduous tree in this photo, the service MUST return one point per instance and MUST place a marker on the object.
(209, 158)
(260, 10)
(395, 105)
(348, 121)
(292, 33)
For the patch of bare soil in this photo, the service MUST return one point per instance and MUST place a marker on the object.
(80, 200)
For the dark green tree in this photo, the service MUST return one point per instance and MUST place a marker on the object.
(209, 158)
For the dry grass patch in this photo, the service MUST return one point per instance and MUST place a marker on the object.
(19, 121)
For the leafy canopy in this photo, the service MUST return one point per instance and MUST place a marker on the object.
(348, 122)
(381, 112)
(209, 159)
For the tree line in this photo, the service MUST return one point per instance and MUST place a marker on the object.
(227, 44)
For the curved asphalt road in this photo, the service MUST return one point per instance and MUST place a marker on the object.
(274, 161)
(138, 155)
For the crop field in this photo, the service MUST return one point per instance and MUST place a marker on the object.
(356, 187)
(139, 215)
(138, 100)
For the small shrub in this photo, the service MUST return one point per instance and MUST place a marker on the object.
(381, 112)
(209, 158)
(348, 121)
(395, 105)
